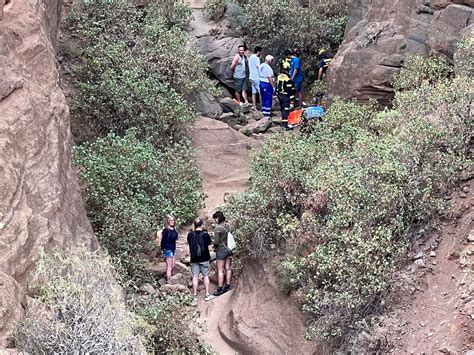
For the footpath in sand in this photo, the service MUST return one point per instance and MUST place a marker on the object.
(223, 159)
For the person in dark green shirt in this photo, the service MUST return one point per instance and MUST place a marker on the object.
(223, 254)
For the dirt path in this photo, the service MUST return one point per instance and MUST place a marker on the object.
(223, 159)
(439, 316)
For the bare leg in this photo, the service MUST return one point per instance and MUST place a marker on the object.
(244, 95)
(228, 268)
(237, 96)
(220, 272)
(195, 284)
(254, 101)
(169, 268)
(206, 284)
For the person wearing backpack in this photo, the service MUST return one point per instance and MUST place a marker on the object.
(169, 236)
(223, 253)
(199, 242)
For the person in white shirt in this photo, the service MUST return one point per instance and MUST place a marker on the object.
(267, 85)
(254, 68)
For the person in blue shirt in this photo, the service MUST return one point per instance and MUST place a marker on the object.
(315, 111)
(296, 75)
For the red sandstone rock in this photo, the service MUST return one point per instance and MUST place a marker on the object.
(40, 203)
(381, 33)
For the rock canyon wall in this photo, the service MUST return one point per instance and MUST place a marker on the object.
(40, 203)
(380, 34)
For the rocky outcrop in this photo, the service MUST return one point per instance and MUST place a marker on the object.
(380, 34)
(219, 54)
(260, 319)
(40, 203)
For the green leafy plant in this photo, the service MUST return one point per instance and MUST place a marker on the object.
(77, 307)
(170, 317)
(129, 186)
(347, 200)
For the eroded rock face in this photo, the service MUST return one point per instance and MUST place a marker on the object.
(381, 33)
(40, 203)
(261, 319)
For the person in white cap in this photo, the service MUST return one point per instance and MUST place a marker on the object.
(267, 85)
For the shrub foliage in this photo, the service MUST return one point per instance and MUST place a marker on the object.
(347, 199)
(129, 187)
(134, 79)
(77, 308)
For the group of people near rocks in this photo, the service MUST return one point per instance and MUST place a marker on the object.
(199, 242)
(287, 85)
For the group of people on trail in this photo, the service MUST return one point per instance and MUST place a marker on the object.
(287, 85)
(199, 242)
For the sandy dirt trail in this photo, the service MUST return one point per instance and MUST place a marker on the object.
(223, 159)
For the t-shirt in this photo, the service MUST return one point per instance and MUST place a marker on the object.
(168, 239)
(265, 71)
(296, 64)
(254, 67)
(202, 239)
(220, 235)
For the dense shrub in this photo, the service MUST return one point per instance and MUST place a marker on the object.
(418, 69)
(347, 199)
(215, 9)
(137, 70)
(77, 308)
(170, 317)
(277, 25)
(129, 186)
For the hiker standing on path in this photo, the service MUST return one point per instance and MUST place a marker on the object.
(169, 236)
(223, 254)
(199, 242)
(296, 75)
(254, 68)
(239, 67)
(267, 85)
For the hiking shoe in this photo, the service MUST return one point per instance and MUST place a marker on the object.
(209, 297)
(225, 288)
(219, 291)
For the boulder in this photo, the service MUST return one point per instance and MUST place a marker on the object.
(157, 268)
(208, 106)
(169, 288)
(258, 303)
(147, 288)
(219, 53)
(380, 34)
(179, 279)
(40, 200)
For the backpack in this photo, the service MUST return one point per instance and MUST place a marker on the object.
(196, 247)
(231, 243)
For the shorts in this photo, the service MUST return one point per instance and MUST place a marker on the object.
(202, 268)
(255, 86)
(168, 253)
(298, 85)
(240, 84)
(222, 253)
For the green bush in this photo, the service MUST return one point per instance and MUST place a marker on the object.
(347, 200)
(77, 308)
(137, 70)
(129, 187)
(170, 317)
(277, 25)
(418, 69)
(215, 9)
